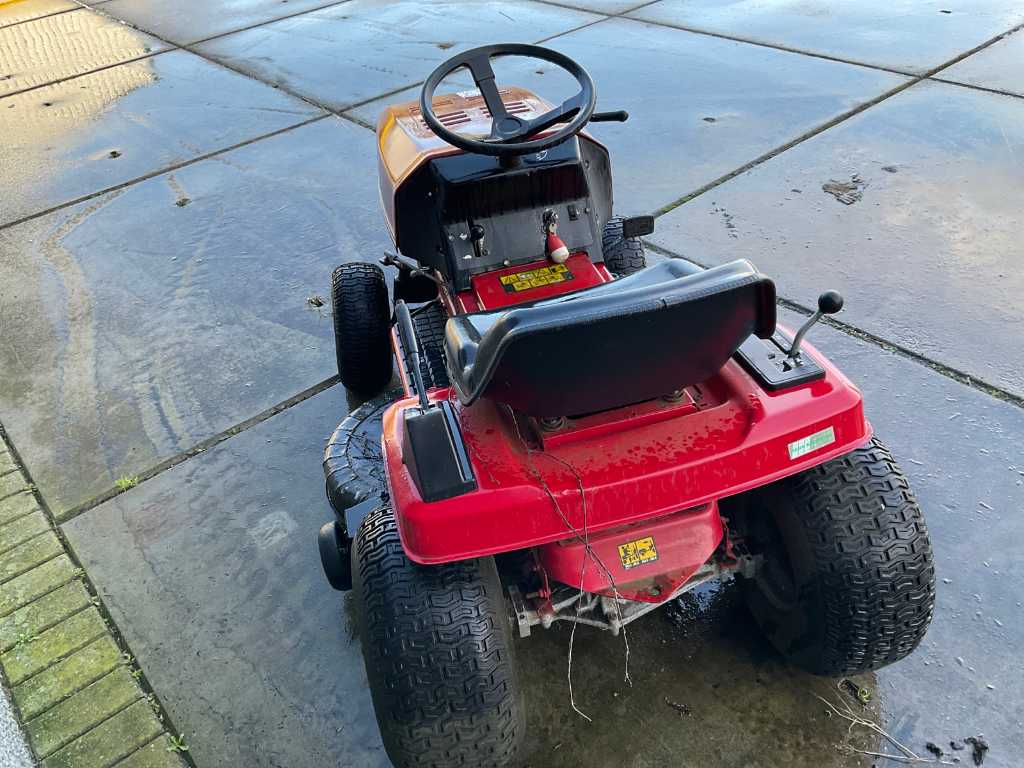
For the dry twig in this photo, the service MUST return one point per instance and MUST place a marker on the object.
(589, 553)
(908, 756)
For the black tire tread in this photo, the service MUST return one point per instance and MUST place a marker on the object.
(429, 321)
(438, 650)
(874, 592)
(362, 324)
(622, 255)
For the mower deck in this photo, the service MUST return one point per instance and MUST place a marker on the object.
(716, 439)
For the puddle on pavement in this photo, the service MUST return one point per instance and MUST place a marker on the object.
(65, 45)
(39, 122)
(42, 123)
(706, 689)
(17, 11)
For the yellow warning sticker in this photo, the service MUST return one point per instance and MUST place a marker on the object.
(639, 552)
(536, 278)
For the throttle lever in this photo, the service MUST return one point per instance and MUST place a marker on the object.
(616, 116)
(829, 303)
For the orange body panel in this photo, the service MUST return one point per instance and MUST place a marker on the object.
(405, 141)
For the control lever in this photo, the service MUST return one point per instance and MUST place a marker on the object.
(476, 236)
(403, 262)
(618, 116)
(829, 303)
(407, 333)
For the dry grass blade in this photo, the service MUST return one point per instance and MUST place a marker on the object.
(589, 553)
(908, 756)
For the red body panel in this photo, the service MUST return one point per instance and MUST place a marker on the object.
(647, 561)
(736, 438)
(498, 289)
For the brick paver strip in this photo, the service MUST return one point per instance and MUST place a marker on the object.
(25, 557)
(28, 658)
(36, 583)
(154, 755)
(21, 530)
(7, 463)
(11, 483)
(50, 687)
(106, 744)
(44, 613)
(80, 704)
(18, 505)
(86, 709)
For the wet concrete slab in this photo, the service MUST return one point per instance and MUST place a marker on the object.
(353, 52)
(999, 67)
(909, 37)
(145, 320)
(211, 572)
(63, 45)
(699, 106)
(924, 249)
(233, 599)
(183, 24)
(79, 136)
(960, 449)
(26, 10)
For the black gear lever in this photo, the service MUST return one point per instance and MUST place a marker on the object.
(829, 303)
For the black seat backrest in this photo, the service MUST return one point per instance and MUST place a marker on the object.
(631, 340)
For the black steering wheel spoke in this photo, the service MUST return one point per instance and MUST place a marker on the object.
(483, 76)
(510, 135)
(568, 110)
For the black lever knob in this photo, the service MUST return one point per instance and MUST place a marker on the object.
(830, 302)
(618, 116)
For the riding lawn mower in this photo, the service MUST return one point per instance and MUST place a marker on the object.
(581, 436)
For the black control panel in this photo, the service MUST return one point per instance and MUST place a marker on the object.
(506, 238)
(464, 214)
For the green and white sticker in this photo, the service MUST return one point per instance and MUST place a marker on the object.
(805, 445)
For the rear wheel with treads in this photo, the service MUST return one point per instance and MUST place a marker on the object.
(847, 583)
(622, 255)
(437, 643)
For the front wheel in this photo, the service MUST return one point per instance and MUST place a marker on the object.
(847, 583)
(362, 327)
(437, 643)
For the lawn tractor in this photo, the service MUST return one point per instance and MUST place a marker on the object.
(580, 436)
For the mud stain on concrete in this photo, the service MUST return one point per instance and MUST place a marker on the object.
(846, 192)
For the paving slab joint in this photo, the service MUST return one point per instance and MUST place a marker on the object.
(50, 606)
(841, 118)
(948, 371)
(148, 474)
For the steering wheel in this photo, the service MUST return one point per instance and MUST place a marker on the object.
(510, 134)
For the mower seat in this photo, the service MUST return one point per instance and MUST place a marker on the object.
(634, 339)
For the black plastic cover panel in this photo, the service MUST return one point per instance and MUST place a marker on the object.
(433, 450)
